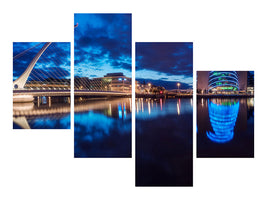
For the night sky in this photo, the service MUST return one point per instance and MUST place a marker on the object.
(102, 44)
(54, 62)
(165, 64)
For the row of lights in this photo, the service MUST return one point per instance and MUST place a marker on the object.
(178, 84)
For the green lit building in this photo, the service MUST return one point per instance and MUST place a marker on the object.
(223, 82)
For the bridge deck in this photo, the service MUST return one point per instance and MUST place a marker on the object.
(67, 93)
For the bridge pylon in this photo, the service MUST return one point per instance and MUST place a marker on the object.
(20, 82)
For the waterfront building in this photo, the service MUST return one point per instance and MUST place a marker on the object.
(223, 82)
(250, 82)
(114, 82)
(110, 82)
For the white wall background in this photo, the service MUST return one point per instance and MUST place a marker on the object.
(39, 164)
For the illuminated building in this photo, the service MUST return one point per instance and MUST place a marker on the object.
(223, 114)
(118, 82)
(250, 82)
(224, 82)
(110, 82)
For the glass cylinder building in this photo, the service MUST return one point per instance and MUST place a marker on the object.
(223, 82)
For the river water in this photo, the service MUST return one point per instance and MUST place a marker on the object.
(164, 142)
(225, 127)
(42, 114)
(102, 128)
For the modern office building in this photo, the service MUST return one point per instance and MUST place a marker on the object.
(110, 82)
(113, 82)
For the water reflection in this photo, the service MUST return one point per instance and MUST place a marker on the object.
(102, 128)
(164, 142)
(222, 114)
(153, 108)
(225, 127)
(44, 113)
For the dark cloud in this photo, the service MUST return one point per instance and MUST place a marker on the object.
(56, 58)
(119, 64)
(169, 58)
(103, 37)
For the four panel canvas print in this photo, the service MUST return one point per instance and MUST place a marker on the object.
(103, 99)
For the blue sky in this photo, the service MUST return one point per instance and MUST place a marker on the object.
(54, 62)
(102, 44)
(165, 63)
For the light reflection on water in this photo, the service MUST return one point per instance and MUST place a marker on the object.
(164, 142)
(103, 128)
(222, 114)
(225, 127)
(153, 108)
(42, 114)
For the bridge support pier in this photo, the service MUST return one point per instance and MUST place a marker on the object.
(38, 101)
(49, 101)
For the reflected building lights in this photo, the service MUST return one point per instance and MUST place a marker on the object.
(124, 110)
(162, 107)
(142, 105)
(223, 115)
(139, 104)
(49, 102)
(109, 110)
(130, 101)
(120, 111)
(148, 104)
(250, 102)
(178, 108)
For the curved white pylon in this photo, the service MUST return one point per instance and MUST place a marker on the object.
(20, 82)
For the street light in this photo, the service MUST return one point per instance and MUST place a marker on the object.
(149, 85)
(178, 84)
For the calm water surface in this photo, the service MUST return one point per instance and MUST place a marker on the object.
(102, 128)
(42, 114)
(164, 142)
(225, 127)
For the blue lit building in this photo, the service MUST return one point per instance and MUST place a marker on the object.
(223, 82)
(223, 114)
(115, 82)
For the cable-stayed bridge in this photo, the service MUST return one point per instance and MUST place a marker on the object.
(48, 74)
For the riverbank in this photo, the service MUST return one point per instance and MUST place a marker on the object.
(166, 96)
(224, 96)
